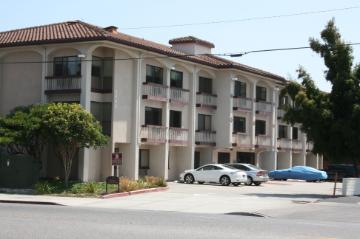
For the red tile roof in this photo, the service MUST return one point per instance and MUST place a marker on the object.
(78, 31)
(191, 39)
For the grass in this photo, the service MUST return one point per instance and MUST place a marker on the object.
(95, 189)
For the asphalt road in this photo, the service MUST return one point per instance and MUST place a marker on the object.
(43, 221)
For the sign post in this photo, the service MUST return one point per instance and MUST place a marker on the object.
(116, 160)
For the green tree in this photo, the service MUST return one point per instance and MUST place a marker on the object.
(21, 131)
(69, 128)
(330, 120)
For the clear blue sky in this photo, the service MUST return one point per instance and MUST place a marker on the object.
(229, 37)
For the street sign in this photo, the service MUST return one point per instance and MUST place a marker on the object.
(113, 180)
(116, 159)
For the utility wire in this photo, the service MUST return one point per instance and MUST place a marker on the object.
(245, 19)
(178, 56)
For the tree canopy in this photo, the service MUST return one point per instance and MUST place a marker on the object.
(331, 120)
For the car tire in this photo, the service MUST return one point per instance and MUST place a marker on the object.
(201, 182)
(249, 181)
(236, 184)
(257, 183)
(189, 179)
(225, 180)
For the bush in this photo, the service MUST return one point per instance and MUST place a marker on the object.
(44, 187)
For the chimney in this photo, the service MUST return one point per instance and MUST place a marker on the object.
(191, 45)
(111, 29)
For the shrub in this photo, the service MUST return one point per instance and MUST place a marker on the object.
(44, 187)
(155, 181)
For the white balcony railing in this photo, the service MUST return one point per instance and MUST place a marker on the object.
(297, 144)
(205, 137)
(207, 100)
(242, 103)
(154, 91)
(263, 140)
(63, 83)
(153, 134)
(179, 95)
(284, 143)
(178, 136)
(240, 139)
(263, 106)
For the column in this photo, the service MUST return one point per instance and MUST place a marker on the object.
(303, 152)
(44, 72)
(253, 114)
(167, 124)
(192, 121)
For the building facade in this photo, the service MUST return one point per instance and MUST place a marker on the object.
(165, 108)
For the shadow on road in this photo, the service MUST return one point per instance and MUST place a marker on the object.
(281, 195)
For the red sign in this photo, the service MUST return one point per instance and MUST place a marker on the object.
(116, 159)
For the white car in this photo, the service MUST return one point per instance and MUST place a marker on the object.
(214, 173)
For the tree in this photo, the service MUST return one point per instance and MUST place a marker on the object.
(330, 120)
(21, 131)
(69, 128)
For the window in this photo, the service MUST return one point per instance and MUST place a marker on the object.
(282, 132)
(204, 122)
(240, 89)
(144, 159)
(295, 133)
(260, 93)
(102, 112)
(154, 74)
(260, 127)
(176, 79)
(196, 159)
(205, 85)
(223, 158)
(239, 125)
(175, 119)
(101, 73)
(206, 168)
(67, 66)
(283, 101)
(153, 116)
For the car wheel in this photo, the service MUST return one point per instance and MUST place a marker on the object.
(201, 182)
(257, 183)
(189, 179)
(249, 181)
(225, 180)
(236, 184)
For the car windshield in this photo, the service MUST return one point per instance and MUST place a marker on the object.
(229, 167)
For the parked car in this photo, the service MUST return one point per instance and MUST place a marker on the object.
(255, 175)
(214, 173)
(299, 172)
(343, 171)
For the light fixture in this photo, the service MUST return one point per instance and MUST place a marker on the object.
(81, 55)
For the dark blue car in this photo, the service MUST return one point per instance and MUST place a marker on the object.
(299, 172)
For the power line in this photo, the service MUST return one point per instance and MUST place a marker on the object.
(179, 56)
(245, 19)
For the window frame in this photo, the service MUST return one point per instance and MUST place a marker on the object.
(171, 119)
(159, 121)
(174, 83)
(257, 128)
(151, 77)
(206, 88)
(297, 133)
(236, 118)
(261, 93)
(66, 65)
(205, 124)
(240, 89)
(283, 132)
(147, 166)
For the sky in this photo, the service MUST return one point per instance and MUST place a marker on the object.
(231, 37)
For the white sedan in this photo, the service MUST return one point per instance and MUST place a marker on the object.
(214, 173)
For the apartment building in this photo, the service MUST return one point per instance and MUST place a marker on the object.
(165, 108)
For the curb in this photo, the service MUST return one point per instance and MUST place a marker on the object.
(31, 202)
(141, 191)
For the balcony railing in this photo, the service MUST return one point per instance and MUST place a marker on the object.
(178, 136)
(297, 144)
(206, 100)
(63, 83)
(205, 138)
(178, 95)
(263, 141)
(239, 139)
(153, 134)
(284, 143)
(264, 107)
(153, 91)
(242, 103)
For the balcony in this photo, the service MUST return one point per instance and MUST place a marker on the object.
(153, 134)
(63, 84)
(179, 96)
(297, 145)
(241, 140)
(263, 107)
(242, 104)
(205, 138)
(284, 144)
(205, 100)
(178, 136)
(155, 92)
(262, 141)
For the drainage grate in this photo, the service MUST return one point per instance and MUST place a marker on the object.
(248, 214)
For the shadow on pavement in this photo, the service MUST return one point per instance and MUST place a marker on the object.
(281, 195)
